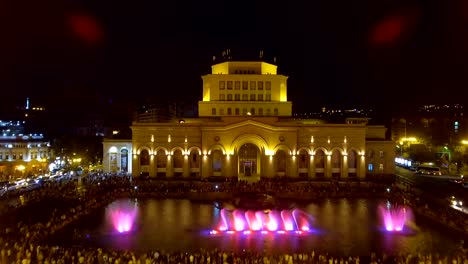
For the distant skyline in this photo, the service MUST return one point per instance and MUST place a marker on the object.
(381, 54)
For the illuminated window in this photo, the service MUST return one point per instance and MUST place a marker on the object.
(245, 97)
(222, 97)
(267, 97)
(237, 111)
(381, 154)
(237, 97)
(229, 97)
(229, 85)
(252, 97)
(260, 85)
(260, 97)
(245, 85)
(213, 111)
(237, 85)
(21, 156)
(370, 167)
(221, 85)
(14, 156)
(267, 85)
(229, 111)
(381, 166)
(252, 85)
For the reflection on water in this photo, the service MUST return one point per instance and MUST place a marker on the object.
(341, 226)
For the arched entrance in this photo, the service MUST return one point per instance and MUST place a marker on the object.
(249, 160)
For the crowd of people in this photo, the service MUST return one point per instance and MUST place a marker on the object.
(26, 242)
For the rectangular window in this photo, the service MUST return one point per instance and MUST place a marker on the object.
(222, 97)
(14, 156)
(268, 112)
(245, 97)
(381, 154)
(1, 156)
(237, 97)
(245, 85)
(21, 156)
(7, 156)
(221, 111)
(229, 97)
(221, 85)
(267, 97)
(229, 85)
(244, 111)
(229, 112)
(381, 166)
(237, 111)
(260, 85)
(252, 97)
(252, 85)
(237, 85)
(370, 167)
(213, 111)
(267, 85)
(252, 111)
(260, 111)
(260, 97)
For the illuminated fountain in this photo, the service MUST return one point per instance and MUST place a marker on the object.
(281, 221)
(122, 216)
(395, 218)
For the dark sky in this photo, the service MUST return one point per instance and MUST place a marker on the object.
(384, 53)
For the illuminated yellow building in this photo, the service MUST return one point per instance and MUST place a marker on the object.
(245, 130)
(23, 156)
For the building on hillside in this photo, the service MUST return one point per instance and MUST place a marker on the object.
(21, 155)
(245, 130)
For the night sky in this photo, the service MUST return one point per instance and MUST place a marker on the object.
(385, 54)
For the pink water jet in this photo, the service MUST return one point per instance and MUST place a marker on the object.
(395, 217)
(264, 220)
(122, 216)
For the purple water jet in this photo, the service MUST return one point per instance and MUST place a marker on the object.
(395, 217)
(122, 216)
(264, 220)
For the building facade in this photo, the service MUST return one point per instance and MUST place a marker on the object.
(21, 155)
(245, 130)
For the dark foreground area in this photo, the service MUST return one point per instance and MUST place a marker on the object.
(28, 239)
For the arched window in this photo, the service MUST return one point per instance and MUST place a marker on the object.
(161, 159)
(303, 163)
(319, 162)
(217, 158)
(352, 163)
(280, 160)
(144, 158)
(248, 156)
(178, 163)
(336, 163)
(124, 160)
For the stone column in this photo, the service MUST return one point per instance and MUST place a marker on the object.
(186, 169)
(169, 170)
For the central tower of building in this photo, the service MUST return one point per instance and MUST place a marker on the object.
(244, 88)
